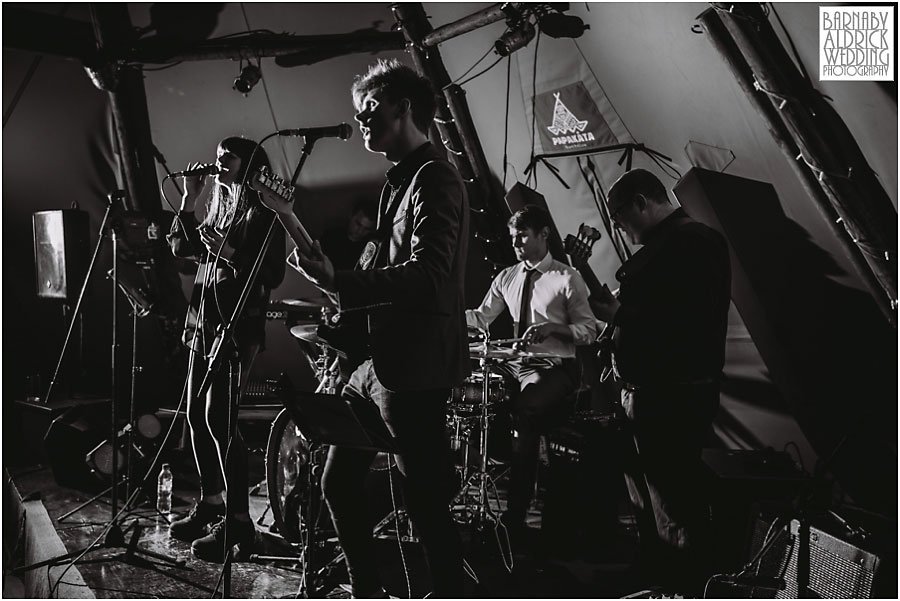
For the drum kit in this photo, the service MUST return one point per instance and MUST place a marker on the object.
(289, 456)
(471, 411)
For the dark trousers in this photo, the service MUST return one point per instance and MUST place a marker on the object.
(540, 404)
(666, 482)
(417, 421)
(208, 419)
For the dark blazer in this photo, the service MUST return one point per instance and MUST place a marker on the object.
(418, 341)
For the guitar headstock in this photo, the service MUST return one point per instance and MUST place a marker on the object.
(272, 186)
(580, 245)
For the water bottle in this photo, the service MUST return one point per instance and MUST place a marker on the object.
(164, 490)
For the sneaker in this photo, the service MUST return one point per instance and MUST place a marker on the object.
(212, 546)
(196, 523)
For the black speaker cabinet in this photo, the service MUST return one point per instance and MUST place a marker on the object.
(584, 486)
(69, 439)
(740, 482)
(839, 566)
(60, 252)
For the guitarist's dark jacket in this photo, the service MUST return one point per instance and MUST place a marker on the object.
(413, 288)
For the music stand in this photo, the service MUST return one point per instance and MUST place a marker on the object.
(328, 419)
(332, 420)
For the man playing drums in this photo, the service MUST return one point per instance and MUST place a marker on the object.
(548, 302)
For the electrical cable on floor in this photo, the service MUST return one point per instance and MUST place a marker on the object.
(138, 489)
(140, 594)
(391, 463)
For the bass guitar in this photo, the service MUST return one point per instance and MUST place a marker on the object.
(579, 247)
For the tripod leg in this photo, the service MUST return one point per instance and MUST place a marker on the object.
(54, 560)
(83, 505)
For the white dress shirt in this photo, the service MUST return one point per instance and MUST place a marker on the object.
(559, 296)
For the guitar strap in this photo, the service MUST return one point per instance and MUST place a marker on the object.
(373, 248)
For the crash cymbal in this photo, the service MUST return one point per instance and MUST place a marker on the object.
(303, 303)
(306, 332)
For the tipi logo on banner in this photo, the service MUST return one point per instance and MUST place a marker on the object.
(564, 122)
(568, 120)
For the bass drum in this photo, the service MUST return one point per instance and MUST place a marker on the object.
(288, 463)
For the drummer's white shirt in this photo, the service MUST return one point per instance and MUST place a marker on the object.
(559, 296)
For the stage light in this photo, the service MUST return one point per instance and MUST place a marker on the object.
(249, 77)
(517, 36)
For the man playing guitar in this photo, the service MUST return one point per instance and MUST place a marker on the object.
(411, 284)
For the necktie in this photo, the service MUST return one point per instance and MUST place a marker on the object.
(525, 306)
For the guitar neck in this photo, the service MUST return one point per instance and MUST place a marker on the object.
(593, 284)
(297, 232)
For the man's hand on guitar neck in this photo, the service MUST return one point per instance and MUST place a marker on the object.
(604, 304)
(315, 266)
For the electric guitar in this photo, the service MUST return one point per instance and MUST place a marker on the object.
(579, 248)
(346, 332)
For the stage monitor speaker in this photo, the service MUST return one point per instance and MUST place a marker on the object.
(61, 252)
(68, 441)
(839, 568)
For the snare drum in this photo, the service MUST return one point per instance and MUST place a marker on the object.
(466, 398)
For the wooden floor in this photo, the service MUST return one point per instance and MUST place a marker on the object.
(563, 568)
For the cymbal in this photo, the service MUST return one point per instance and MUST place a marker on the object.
(306, 332)
(302, 303)
(478, 351)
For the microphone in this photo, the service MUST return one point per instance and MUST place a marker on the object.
(766, 582)
(342, 131)
(208, 170)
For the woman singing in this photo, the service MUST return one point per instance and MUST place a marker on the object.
(225, 244)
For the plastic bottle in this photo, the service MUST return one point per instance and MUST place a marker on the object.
(164, 490)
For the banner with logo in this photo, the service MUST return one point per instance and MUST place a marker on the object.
(571, 110)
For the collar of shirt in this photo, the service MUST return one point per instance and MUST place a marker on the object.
(405, 169)
(665, 224)
(542, 266)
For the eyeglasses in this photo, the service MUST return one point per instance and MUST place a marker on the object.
(615, 214)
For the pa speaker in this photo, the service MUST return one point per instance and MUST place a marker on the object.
(60, 252)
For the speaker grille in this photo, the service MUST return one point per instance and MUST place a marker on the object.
(837, 568)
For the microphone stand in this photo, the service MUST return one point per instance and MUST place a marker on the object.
(112, 197)
(222, 347)
(308, 143)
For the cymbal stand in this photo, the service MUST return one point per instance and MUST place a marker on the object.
(328, 371)
(480, 511)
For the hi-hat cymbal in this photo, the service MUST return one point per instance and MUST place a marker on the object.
(306, 332)
(500, 353)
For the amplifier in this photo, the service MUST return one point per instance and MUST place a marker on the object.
(839, 567)
(585, 485)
